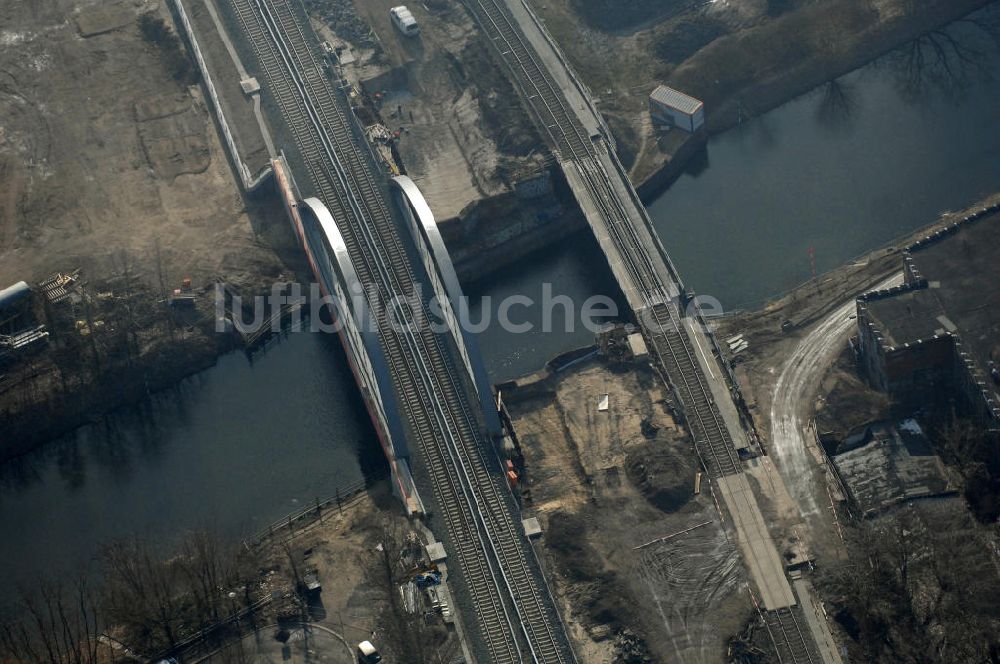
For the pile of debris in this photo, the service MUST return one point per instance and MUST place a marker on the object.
(622, 343)
(343, 19)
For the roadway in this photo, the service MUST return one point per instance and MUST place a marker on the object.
(794, 389)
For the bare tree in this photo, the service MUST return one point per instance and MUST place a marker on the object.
(55, 622)
(150, 599)
(920, 586)
(202, 566)
(163, 288)
(948, 60)
(141, 593)
(125, 303)
(234, 653)
(212, 572)
(837, 105)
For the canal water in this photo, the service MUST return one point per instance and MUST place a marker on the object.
(826, 177)
(841, 170)
(574, 268)
(231, 449)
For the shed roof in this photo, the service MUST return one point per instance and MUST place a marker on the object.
(889, 463)
(638, 345)
(675, 99)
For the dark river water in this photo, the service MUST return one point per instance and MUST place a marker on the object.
(842, 170)
(233, 448)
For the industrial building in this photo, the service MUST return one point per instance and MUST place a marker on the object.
(675, 109)
(889, 463)
(935, 340)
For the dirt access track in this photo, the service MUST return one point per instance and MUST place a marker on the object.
(103, 150)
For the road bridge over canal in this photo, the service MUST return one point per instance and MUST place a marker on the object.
(372, 242)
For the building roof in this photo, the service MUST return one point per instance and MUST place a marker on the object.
(675, 99)
(909, 315)
(889, 463)
(637, 345)
(957, 291)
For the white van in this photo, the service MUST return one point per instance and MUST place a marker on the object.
(403, 19)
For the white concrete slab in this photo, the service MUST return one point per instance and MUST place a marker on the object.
(759, 552)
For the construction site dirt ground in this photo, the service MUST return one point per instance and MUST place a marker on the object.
(102, 151)
(464, 133)
(342, 548)
(336, 547)
(605, 482)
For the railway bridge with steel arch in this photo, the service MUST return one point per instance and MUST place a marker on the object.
(371, 241)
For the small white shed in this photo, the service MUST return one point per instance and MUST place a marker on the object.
(674, 108)
(638, 346)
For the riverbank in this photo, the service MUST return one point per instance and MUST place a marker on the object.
(656, 159)
(802, 384)
(739, 58)
(50, 397)
(589, 473)
(111, 168)
(228, 599)
(776, 328)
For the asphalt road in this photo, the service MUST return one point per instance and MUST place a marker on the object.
(794, 390)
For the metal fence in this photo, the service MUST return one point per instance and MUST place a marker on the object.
(296, 522)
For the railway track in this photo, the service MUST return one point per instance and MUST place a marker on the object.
(791, 645)
(658, 312)
(571, 142)
(515, 616)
